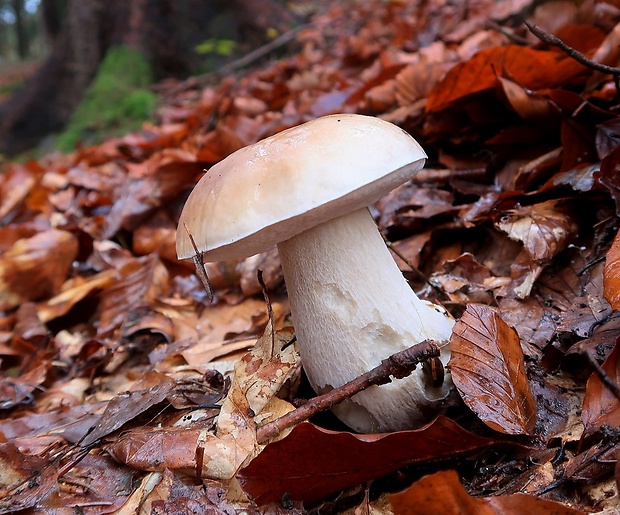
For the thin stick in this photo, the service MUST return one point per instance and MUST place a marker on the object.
(543, 35)
(413, 268)
(503, 30)
(259, 274)
(201, 271)
(398, 365)
(602, 375)
(254, 55)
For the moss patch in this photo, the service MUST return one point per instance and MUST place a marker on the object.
(116, 102)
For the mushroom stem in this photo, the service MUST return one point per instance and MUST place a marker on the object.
(353, 308)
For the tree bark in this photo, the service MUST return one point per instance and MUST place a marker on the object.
(49, 97)
(20, 31)
(165, 31)
(51, 17)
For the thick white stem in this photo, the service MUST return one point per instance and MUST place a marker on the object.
(352, 308)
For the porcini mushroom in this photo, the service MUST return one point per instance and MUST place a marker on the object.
(307, 189)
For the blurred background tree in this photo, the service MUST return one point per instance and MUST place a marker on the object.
(72, 38)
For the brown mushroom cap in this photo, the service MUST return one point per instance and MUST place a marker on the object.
(283, 185)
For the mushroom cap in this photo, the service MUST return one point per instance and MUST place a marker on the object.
(272, 190)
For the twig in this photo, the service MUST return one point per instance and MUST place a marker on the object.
(200, 266)
(259, 274)
(602, 375)
(503, 30)
(398, 365)
(414, 268)
(254, 55)
(543, 35)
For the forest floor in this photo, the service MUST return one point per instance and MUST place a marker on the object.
(116, 388)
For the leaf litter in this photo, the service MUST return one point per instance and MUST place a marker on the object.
(117, 387)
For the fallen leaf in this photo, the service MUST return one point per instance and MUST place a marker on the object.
(17, 183)
(443, 493)
(600, 405)
(94, 485)
(35, 268)
(489, 372)
(25, 480)
(531, 69)
(195, 448)
(21, 390)
(312, 462)
(611, 274)
(544, 229)
(127, 406)
(528, 105)
(138, 282)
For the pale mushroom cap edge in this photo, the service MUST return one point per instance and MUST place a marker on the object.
(272, 190)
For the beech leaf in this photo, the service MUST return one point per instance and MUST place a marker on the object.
(312, 462)
(611, 274)
(488, 371)
(530, 68)
(600, 405)
(443, 493)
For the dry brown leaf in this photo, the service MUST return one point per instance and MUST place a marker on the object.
(139, 282)
(25, 479)
(16, 184)
(72, 292)
(35, 268)
(528, 105)
(544, 229)
(128, 405)
(489, 372)
(251, 399)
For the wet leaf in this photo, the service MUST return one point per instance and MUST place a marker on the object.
(489, 372)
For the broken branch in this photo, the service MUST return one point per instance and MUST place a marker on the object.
(398, 365)
(545, 36)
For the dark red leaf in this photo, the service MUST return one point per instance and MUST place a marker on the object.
(311, 462)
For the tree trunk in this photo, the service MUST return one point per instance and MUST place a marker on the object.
(20, 31)
(165, 31)
(51, 17)
(49, 97)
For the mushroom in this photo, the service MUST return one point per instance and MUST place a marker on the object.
(307, 189)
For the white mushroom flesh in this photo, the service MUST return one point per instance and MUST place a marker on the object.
(352, 308)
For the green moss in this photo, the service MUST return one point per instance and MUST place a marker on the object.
(116, 102)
